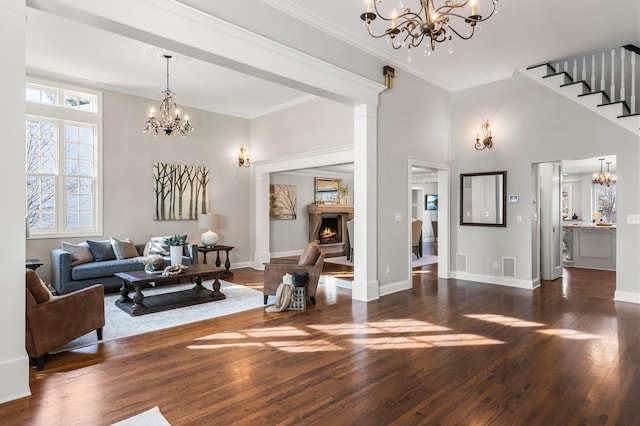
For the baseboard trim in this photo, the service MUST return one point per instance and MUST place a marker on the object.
(396, 287)
(489, 279)
(15, 379)
(238, 265)
(626, 296)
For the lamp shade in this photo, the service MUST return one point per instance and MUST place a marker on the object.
(208, 221)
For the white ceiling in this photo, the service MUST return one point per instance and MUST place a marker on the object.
(521, 34)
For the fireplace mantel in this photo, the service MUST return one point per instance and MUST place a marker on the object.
(316, 211)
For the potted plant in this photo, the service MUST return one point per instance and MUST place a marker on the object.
(175, 243)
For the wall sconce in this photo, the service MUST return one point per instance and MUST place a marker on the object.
(243, 158)
(388, 73)
(487, 141)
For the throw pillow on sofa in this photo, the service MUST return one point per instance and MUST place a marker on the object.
(124, 249)
(80, 253)
(101, 250)
(158, 245)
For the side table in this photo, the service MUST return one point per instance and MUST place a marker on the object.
(217, 248)
(33, 264)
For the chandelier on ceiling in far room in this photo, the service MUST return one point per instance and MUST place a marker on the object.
(604, 178)
(408, 27)
(169, 120)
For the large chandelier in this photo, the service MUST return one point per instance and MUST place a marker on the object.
(434, 23)
(169, 120)
(604, 178)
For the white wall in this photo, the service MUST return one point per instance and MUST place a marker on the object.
(128, 158)
(413, 123)
(532, 124)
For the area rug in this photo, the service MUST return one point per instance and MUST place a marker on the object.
(120, 324)
(426, 259)
(152, 417)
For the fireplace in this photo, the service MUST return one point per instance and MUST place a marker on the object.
(330, 230)
(327, 226)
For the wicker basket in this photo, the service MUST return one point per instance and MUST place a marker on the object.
(299, 300)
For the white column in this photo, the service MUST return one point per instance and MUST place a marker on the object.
(14, 363)
(262, 253)
(365, 282)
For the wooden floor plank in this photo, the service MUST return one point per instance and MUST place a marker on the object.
(446, 352)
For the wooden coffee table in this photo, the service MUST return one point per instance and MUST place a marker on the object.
(141, 305)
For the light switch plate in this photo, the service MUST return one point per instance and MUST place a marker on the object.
(398, 217)
(633, 219)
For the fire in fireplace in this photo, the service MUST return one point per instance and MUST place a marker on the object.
(330, 230)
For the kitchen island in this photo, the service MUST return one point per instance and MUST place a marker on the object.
(588, 245)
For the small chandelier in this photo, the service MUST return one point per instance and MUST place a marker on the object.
(410, 27)
(169, 122)
(487, 139)
(604, 178)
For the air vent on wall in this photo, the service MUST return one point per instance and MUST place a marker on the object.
(461, 262)
(509, 267)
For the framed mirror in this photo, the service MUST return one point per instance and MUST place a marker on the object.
(327, 190)
(483, 199)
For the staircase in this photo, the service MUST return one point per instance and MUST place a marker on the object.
(606, 82)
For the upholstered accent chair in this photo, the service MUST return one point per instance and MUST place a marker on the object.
(350, 234)
(416, 237)
(53, 321)
(311, 260)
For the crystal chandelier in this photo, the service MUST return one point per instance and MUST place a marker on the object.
(604, 178)
(169, 120)
(434, 23)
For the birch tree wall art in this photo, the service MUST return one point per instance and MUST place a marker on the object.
(180, 191)
(283, 201)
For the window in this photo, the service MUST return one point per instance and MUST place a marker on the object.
(604, 202)
(62, 157)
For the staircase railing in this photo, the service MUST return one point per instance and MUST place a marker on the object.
(616, 72)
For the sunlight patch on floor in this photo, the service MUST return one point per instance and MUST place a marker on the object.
(504, 320)
(296, 346)
(569, 334)
(443, 340)
(379, 327)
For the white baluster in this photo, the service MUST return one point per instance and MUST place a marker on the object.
(612, 91)
(584, 69)
(634, 107)
(622, 94)
(574, 74)
(593, 72)
(602, 86)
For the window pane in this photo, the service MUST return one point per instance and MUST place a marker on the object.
(70, 101)
(85, 186)
(85, 152)
(48, 166)
(47, 130)
(33, 95)
(85, 202)
(86, 134)
(33, 128)
(48, 220)
(72, 167)
(72, 202)
(48, 148)
(85, 168)
(48, 97)
(71, 133)
(86, 219)
(72, 219)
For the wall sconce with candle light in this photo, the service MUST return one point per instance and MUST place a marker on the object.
(243, 158)
(487, 140)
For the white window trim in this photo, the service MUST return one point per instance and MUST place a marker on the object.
(57, 112)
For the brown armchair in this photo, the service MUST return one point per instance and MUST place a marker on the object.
(311, 260)
(53, 321)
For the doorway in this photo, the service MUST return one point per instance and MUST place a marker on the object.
(428, 180)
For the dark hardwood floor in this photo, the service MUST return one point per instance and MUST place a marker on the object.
(444, 353)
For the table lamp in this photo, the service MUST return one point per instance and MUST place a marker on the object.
(208, 221)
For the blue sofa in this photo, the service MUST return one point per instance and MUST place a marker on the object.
(66, 278)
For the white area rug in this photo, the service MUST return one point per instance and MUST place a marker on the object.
(426, 259)
(151, 417)
(119, 324)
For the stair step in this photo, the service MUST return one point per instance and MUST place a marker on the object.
(559, 77)
(618, 104)
(576, 88)
(541, 70)
(594, 99)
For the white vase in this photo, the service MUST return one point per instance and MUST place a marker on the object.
(176, 255)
